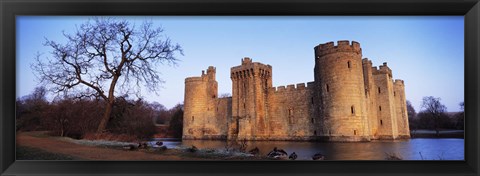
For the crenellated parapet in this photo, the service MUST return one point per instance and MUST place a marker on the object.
(399, 82)
(210, 75)
(342, 46)
(384, 69)
(250, 69)
(292, 87)
(193, 79)
(366, 61)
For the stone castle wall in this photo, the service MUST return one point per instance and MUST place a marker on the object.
(349, 100)
(371, 96)
(291, 112)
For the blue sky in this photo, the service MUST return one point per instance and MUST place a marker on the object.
(427, 52)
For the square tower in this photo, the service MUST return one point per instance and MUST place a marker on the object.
(250, 83)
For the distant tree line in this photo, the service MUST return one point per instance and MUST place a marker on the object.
(76, 117)
(434, 116)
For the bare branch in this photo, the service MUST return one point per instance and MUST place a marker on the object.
(102, 52)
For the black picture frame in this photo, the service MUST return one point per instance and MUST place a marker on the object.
(470, 9)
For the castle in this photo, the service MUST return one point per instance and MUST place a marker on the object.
(349, 100)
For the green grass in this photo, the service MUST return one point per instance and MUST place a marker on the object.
(28, 153)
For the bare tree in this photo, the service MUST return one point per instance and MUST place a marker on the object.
(412, 120)
(102, 54)
(435, 109)
(460, 117)
(410, 109)
(31, 109)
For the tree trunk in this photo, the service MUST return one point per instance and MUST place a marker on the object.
(106, 117)
(437, 126)
(109, 102)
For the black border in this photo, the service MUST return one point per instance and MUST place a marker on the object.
(9, 8)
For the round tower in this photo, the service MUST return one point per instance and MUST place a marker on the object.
(195, 103)
(341, 95)
(200, 98)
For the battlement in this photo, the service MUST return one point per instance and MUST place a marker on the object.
(292, 87)
(246, 60)
(366, 61)
(250, 69)
(210, 75)
(399, 81)
(384, 69)
(211, 69)
(193, 79)
(248, 63)
(342, 46)
(301, 86)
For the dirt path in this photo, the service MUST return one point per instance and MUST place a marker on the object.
(86, 152)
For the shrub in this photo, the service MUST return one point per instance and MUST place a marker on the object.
(176, 122)
(132, 118)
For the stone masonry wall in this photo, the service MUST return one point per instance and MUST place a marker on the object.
(195, 104)
(343, 103)
(349, 101)
(401, 109)
(385, 101)
(371, 96)
(202, 114)
(291, 112)
(250, 83)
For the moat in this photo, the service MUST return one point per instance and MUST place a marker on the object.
(412, 149)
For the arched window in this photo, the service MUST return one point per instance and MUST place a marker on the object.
(193, 118)
(348, 64)
(379, 90)
(380, 108)
(381, 122)
(352, 108)
(354, 132)
(327, 88)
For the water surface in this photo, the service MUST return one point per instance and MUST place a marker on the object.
(412, 149)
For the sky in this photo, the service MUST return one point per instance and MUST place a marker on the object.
(427, 52)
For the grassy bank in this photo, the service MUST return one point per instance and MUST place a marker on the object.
(28, 153)
(41, 146)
